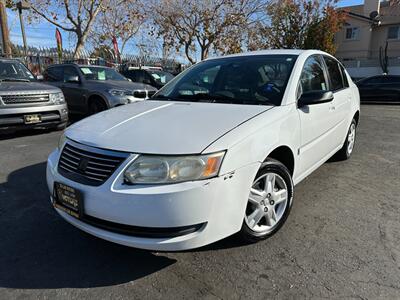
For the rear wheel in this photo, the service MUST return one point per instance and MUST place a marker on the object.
(269, 202)
(349, 143)
(96, 106)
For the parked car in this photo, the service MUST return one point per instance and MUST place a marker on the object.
(90, 89)
(26, 103)
(380, 89)
(217, 152)
(155, 77)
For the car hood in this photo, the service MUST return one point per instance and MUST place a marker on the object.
(161, 127)
(120, 84)
(14, 86)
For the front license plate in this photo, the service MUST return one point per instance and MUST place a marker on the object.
(32, 119)
(68, 199)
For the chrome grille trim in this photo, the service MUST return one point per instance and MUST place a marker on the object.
(98, 165)
(25, 98)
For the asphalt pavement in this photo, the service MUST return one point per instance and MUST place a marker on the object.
(342, 239)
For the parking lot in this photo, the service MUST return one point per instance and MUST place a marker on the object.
(342, 239)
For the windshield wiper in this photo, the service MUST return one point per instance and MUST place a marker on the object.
(14, 79)
(165, 98)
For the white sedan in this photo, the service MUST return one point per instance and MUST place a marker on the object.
(215, 152)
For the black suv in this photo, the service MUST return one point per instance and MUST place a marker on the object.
(90, 89)
(154, 77)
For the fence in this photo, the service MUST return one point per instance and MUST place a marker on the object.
(370, 67)
(38, 59)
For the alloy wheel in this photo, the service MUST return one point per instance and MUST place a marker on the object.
(267, 202)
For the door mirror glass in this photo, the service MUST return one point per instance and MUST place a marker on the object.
(72, 79)
(315, 97)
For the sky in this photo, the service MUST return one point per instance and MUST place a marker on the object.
(43, 34)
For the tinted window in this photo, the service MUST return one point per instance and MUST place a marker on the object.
(373, 80)
(69, 72)
(393, 79)
(132, 74)
(53, 74)
(101, 74)
(313, 77)
(255, 79)
(334, 74)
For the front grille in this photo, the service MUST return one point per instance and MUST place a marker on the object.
(139, 94)
(25, 98)
(89, 166)
(151, 93)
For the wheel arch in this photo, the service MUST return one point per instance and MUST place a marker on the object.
(284, 154)
(357, 117)
(97, 97)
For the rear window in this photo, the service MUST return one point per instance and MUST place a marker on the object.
(335, 74)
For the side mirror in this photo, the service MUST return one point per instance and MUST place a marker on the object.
(315, 97)
(72, 79)
(39, 77)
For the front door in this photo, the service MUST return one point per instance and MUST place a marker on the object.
(318, 120)
(73, 91)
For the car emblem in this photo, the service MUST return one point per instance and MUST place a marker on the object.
(83, 163)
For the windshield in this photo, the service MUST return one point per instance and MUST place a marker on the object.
(101, 74)
(161, 77)
(256, 79)
(14, 71)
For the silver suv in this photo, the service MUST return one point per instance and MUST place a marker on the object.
(26, 103)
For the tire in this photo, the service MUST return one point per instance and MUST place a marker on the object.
(96, 106)
(263, 202)
(348, 146)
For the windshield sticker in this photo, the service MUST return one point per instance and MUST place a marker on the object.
(86, 71)
(101, 75)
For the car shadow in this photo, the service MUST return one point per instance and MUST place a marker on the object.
(40, 250)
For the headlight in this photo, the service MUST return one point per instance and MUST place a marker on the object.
(120, 93)
(61, 141)
(172, 169)
(57, 98)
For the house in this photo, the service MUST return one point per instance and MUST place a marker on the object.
(367, 29)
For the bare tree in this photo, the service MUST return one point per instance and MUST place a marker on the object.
(121, 19)
(74, 16)
(199, 26)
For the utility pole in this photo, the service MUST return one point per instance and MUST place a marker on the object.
(5, 39)
(21, 5)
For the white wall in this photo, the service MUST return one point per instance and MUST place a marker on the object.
(370, 71)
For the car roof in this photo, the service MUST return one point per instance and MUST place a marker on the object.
(296, 52)
(77, 65)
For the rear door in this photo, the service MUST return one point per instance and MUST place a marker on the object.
(341, 107)
(318, 120)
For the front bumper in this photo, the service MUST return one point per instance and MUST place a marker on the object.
(214, 207)
(52, 115)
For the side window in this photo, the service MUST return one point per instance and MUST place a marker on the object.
(69, 72)
(53, 74)
(312, 77)
(132, 74)
(373, 80)
(393, 79)
(344, 76)
(334, 74)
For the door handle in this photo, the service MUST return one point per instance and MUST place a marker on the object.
(332, 108)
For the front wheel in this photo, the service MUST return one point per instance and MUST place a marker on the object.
(269, 202)
(96, 106)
